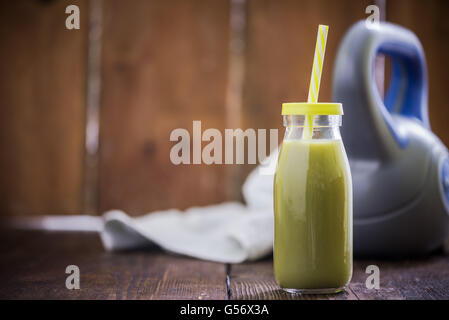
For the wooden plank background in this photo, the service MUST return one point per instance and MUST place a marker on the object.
(228, 63)
(164, 65)
(42, 98)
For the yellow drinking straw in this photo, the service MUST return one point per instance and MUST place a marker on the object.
(315, 78)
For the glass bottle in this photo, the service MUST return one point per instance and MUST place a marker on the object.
(312, 202)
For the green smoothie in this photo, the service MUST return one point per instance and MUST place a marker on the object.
(313, 215)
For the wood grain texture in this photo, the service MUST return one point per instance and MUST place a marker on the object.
(422, 278)
(414, 279)
(427, 19)
(164, 65)
(42, 108)
(281, 38)
(32, 266)
(255, 281)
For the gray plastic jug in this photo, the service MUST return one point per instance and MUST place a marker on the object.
(400, 169)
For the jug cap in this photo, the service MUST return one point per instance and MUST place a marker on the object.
(310, 108)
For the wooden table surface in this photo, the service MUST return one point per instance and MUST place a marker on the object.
(33, 263)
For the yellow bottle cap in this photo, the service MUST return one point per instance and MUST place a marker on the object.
(309, 108)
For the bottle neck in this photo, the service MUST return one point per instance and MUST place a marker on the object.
(325, 127)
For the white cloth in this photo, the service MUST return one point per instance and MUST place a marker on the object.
(229, 232)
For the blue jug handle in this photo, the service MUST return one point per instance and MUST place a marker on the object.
(373, 129)
(407, 92)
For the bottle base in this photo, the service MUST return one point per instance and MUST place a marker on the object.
(314, 291)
